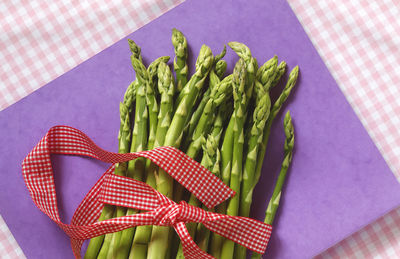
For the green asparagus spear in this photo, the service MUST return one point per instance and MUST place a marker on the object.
(274, 111)
(241, 50)
(135, 168)
(289, 144)
(166, 89)
(217, 58)
(180, 62)
(135, 49)
(160, 235)
(227, 151)
(124, 139)
(124, 142)
(260, 116)
(264, 77)
(274, 201)
(240, 102)
(251, 65)
(227, 146)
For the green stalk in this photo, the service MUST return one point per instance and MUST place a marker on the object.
(166, 89)
(160, 235)
(276, 195)
(124, 139)
(120, 244)
(274, 111)
(289, 144)
(227, 146)
(260, 116)
(180, 62)
(141, 233)
(240, 102)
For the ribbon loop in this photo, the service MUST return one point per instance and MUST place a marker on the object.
(123, 191)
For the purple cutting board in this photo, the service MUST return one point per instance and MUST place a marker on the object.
(338, 181)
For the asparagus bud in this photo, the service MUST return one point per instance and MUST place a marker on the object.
(135, 49)
(180, 62)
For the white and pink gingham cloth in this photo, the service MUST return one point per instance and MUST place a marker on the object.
(358, 40)
(9, 248)
(380, 239)
(42, 40)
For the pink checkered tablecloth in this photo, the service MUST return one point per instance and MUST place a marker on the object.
(359, 41)
(42, 40)
(9, 248)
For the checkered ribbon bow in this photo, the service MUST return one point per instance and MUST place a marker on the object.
(123, 191)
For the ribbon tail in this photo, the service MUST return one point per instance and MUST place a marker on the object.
(189, 247)
(76, 245)
(250, 233)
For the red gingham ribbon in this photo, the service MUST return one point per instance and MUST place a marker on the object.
(123, 191)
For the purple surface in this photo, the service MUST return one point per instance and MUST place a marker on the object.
(338, 181)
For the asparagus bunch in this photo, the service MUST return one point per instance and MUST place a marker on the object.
(222, 122)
